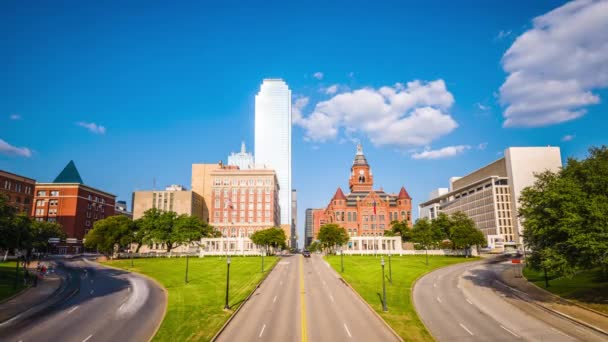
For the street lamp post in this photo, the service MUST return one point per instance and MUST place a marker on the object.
(390, 270)
(342, 258)
(384, 308)
(263, 261)
(131, 252)
(186, 267)
(227, 307)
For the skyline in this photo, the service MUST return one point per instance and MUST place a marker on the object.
(157, 99)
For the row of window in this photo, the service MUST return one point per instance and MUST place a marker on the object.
(225, 220)
(8, 185)
(242, 213)
(26, 200)
(351, 216)
(232, 205)
(242, 181)
(242, 191)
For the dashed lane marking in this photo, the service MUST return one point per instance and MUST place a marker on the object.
(73, 309)
(510, 332)
(347, 331)
(439, 299)
(262, 331)
(469, 301)
(332, 298)
(561, 333)
(465, 328)
(275, 299)
(86, 339)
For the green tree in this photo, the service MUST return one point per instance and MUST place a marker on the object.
(402, 228)
(41, 233)
(110, 234)
(444, 224)
(565, 216)
(271, 237)
(425, 234)
(315, 246)
(463, 233)
(332, 235)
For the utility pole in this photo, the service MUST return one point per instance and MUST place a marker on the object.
(227, 307)
(384, 308)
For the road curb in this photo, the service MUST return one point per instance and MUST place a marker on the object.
(361, 299)
(217, 334)
(562, 298)
(165, 292)
(554, 312)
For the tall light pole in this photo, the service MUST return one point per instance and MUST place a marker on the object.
(384, 308)
(390, 270)
(263, 260)
(342, 258)
(186, 267)
(131, 252)
(227, 307)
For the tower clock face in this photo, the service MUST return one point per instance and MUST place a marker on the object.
(361, 172)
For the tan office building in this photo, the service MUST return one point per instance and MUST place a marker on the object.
(490, 194)
(173, 198)
(202, 184)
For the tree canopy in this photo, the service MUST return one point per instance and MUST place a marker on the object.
(425, 234)
(463, 232)
(271, 237)
(332, 235)
(565, 216)
(110, 234)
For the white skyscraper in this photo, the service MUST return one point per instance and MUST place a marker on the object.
(273, 137)
(243, 159)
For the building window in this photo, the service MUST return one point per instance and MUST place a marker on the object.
(53, 202)
(7, 185)
(40, 203)
(54, 193)
(28, 190)
(18, 187)
(52, 219)
(39, 212)
(217, 181)
(53, 211)
(40, 193)
(217, 203)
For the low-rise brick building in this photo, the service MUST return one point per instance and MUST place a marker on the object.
(19, 190)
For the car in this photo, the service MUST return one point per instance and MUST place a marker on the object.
(306, 254)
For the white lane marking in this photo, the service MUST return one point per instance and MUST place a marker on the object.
(275, 299)
(332, 298)
(86, 339)
(439, 299)
(324, 283)
(137, 297)
(262, 331)
(434, 284)
(465, 328)
(468, 301)
(561, 333)
(73, 309)
(347, 331)
(510, 332)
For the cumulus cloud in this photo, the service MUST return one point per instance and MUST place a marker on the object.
(15, 117)
(93, 127)
(400, 115)
(318, 75)
(554, 67)
(332, 89)
(568, 137)
(445, 152)
(10, 150)
(296, 108)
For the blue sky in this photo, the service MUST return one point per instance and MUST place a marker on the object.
(173, 85)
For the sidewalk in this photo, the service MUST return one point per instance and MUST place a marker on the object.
(513, 277)
(30, 297)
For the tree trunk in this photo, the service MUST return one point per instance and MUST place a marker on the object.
(138, 247)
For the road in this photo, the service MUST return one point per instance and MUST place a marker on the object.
(98, 304)
(303, 299)
(465, 302)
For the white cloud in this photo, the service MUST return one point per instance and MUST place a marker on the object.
(445, 152)
(401, 115)
(554, 66)
(482, 107)
(318, 75)
(568, 137)
(93, 127)
(296, 108)
(332, 89)
(503, 34)
(15, 117)
(10, 150)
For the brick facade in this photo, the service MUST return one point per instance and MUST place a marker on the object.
(18, 189)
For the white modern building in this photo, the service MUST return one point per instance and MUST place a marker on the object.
(490, 195)
(243, 159)
(273, 138)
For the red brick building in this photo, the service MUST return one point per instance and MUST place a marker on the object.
(364, 211)
(72, 204)
(18, 189)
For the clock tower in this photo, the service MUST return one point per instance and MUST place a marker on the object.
(361, 178)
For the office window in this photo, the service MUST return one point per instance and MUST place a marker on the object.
(355, 216)
(41, 193)
(53, 211)
(53, 202)
(39, 212)
(40, 203)
(217, 203)
(7, 185)
(18, 187)
(54, 193)
(52, 219)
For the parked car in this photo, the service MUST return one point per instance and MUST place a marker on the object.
(306, 254)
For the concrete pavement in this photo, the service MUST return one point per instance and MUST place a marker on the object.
(105, 305)
(464, 303)
(303, 299)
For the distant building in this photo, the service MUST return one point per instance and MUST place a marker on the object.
(273, 138)
(174, 198)
(19, 191)
(202, 184)
(308, 227)
(364, 211)
(293, 241)
(72, 204)
(490, 195)
(244, 201)
(432, 209)
(243, 159)
(121, 209)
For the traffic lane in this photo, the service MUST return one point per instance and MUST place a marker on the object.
(271, 303)
(95, 310)
(447, 313)
(323, 323)
(340, 311)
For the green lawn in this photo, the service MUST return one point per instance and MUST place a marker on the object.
(586, 288)
(7, 279)
(195, 310)
(364, 273)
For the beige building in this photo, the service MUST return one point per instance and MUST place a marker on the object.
(243, 201)
(202, 184)
(489, 195)
(174, 198)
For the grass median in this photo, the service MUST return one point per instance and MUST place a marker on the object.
(588, 288)
(364, 274)
(7, 279)
(195, 310)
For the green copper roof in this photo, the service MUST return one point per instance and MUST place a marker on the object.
(69, 174)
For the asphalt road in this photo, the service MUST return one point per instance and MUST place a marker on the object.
(303, 299)
(98, 304)
(465, 302)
